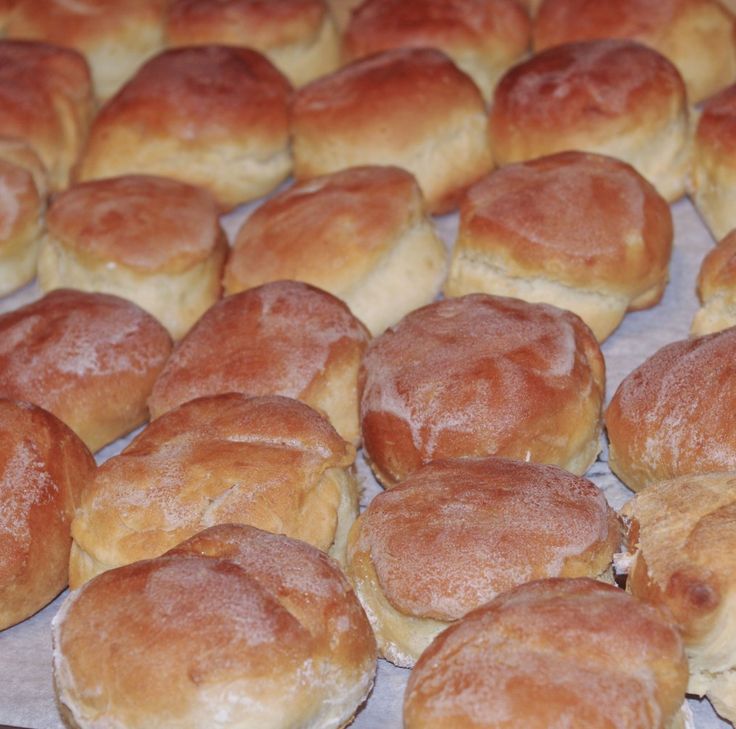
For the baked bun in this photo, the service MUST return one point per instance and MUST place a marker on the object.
(581, 231)
(698, 36)
(674, 414)
(21, 225)
(43, 467)
(614, 97)
(531, 6)
(684, 543)
(455, 533)
(410, 107)
(362, 234)
(482, 375)
(717, 289)
(270, 462)
(90, 359)
(213, 116)
(552, 653)
(298, 36)
(235, 628)
(116, 37)
(46, 100)
(713, 175)
(341, 11)
(282, 338)
(482, 37)
(152, 240)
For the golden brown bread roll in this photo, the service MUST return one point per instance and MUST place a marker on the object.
(482, 375)
(482, 37)
(717, 289)
(43, 469)
(282, 338)
(90, 359)
(298, 36)
(362, 234)
(581, 231)
(613, 97)
(212, 116)
(683, 540)
(713, 174)
(698, 36)
(233, 628)
(456, 533)
(271, 462)
(675, 414)
(152, 240)
(411, 107)
(552, 653)
(46, 100)
(116, 37)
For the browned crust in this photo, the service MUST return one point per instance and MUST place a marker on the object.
(283, 338)
(716, 130)
(232, 609)
(676, 413)
(718, 269)
(602, 88)
(148, 223)
(583, 219)
(44, 468)
(252, 23)
(455, 533)
(488, 28)
(480, 375)
(91, 359)
(548, 650)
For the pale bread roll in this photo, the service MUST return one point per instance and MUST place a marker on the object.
(456, 533)
(717, 289)
(271, 462)
(235, 628)
(683, 541)
(362, 234)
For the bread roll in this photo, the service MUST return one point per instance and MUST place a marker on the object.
(613, 97)
(298, 36)
(717, 289)
(713, 175)
(684, 559)
(90, 359)
(482, 37)
(412, 108)
(552, 653)
(154, 241)
(362, 234)
(341, 11)
(581, 231)
(482, 375)
(116, 37)
(698, 36)
(456, 533)
(46, 100)
(282, 338)
(212, 116)
(43, 468)
(674, 414)
(270, 462)
(235, 628)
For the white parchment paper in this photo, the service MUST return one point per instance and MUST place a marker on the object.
(26, 692)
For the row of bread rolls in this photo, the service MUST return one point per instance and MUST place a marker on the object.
(234, 621)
